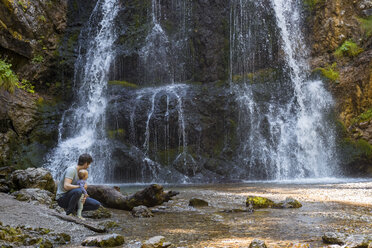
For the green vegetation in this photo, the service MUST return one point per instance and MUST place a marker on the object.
(26, 86)
(330, 72)
(366, 25)
(8, 80)
(311, 4)
(37, 59)
(348, 48)
(123, 83)
(365, 116)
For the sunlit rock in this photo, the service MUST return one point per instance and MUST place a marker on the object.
(109, 240)
(156, 242)
(256, 243)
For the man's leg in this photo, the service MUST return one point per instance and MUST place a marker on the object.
(91, 204)
(70, 200)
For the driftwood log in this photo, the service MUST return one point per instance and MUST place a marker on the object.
(151, 196)
(87, 224)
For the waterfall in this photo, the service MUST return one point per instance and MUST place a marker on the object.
(283, 122)
(82, 128)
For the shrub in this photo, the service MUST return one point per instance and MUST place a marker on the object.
(348, 48)
(8, 80)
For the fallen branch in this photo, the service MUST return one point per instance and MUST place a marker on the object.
(90, 226)
(152, 195)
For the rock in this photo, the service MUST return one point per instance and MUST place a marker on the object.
(32, 178)
(100, 213)
(34, 194)
(4, 186)
(256, 243)
(156, 242)
(259, 202)
(288, 203)
(334, 238)
(195, 202)
(142, 212)
(109, 240)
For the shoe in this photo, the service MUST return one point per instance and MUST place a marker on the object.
(81, 217)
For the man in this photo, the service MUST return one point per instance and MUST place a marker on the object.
(68, 193)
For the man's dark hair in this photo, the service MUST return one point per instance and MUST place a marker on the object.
(85, 158)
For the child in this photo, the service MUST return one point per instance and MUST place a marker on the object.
(83, 176)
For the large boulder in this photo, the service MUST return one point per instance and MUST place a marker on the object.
(32, 178)
(34, 194)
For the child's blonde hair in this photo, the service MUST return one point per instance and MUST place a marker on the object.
(82, 174)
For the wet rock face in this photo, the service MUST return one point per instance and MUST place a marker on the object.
(29, 30)
(197, 140)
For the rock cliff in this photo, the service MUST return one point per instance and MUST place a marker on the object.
(341, 39)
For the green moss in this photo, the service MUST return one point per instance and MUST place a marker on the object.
(365, 116)
(259, 202)
(366, 25)
(359, 150)
(330, 72)
(117, 133)
(123, 83)
(348, 48)
(260, 76)
(311, 4)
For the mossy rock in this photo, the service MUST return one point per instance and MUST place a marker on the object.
(259, 202)
(109, 240)
(100, 213)
(288, 203)
(195, 202)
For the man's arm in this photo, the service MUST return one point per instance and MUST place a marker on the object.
(68, 186)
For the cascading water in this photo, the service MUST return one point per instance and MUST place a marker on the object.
(83, 126)
(283, 122)
(159, 58)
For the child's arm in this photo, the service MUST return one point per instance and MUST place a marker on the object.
(82, 184)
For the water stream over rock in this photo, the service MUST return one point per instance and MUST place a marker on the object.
(266, 121)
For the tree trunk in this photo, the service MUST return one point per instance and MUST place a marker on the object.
(110, 197)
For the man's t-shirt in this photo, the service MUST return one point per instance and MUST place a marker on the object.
(71, 173)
